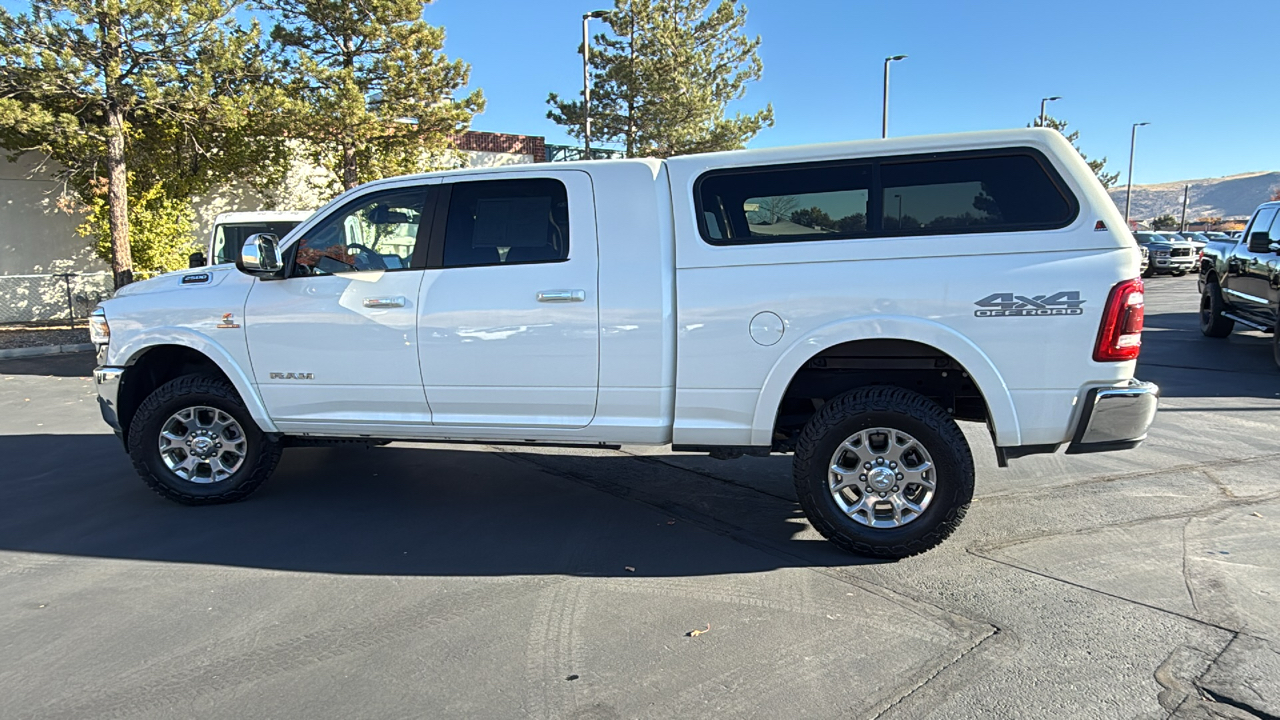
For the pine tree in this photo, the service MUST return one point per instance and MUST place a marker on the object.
(375, 92)
(664, 76)
(97, 85)
(1107, 179)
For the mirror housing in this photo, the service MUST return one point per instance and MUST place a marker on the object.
(260, 256)
(196, 259)
(1259, 242)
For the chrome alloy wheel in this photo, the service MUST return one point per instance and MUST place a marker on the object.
(882, 478)
(202, 444)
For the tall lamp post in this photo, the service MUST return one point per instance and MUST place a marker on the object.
(586, 80)
(1044, 101)
(1128, 191)
(884, 114)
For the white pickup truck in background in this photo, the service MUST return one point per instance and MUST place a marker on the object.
(847, 303)
(231, 229)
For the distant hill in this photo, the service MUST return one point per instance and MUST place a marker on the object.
(1234, 196)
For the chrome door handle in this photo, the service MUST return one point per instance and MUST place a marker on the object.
(562, 296)
(384, 302)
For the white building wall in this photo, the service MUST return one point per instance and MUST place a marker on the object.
(35, 235)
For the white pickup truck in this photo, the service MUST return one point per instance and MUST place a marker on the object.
(847, 303)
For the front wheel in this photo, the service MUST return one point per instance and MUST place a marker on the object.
(883, 472)
(1179, 273)
(1212, 321)
(193, 441)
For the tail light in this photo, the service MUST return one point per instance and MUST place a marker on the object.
(1120, 337)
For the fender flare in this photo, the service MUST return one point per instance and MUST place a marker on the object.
(983, 372)
(203, 344)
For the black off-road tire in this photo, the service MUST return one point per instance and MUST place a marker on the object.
(1178, 273)
(262, 452)
(1212, 322)
(899, 409)
(1150, 271)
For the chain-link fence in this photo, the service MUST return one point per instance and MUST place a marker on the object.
(60, 296)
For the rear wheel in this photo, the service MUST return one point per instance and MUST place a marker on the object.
(884, 472)
(1212, 322)
(193, 441)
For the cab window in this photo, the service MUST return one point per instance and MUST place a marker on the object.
(507, 222)
(372, 233)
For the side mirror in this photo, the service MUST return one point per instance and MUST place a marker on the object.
(196, 259)
(1259, 242)
(259, 256)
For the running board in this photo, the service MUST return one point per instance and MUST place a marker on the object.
(1250, 323)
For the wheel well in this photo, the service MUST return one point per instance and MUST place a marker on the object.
(901, 363)
(155, 367)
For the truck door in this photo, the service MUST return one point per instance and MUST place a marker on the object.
(336, 342)
(1248, 275)
(509, 331)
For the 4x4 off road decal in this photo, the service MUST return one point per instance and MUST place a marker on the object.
(1011, 305)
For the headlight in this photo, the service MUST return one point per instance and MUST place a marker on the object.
(1162, 253)
(99, 332)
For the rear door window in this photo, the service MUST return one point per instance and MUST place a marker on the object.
(507, 222)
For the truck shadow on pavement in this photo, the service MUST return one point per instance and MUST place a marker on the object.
(401, 510)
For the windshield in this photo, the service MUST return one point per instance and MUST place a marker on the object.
(1147, 238)
(228, 238)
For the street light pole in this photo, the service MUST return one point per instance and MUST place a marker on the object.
(884, 114)
(586, 81)
(1043, 101)
(1128, 191)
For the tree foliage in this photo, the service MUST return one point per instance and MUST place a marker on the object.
(1165, 222)
(138, 94)
(160, 229)
(1098, 166)
(374, 92)
(664, 76)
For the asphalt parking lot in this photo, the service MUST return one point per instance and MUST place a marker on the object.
(506, 582)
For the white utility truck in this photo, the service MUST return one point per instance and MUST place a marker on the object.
(230, 230)
(847, 303)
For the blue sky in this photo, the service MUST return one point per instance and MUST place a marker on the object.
(1203, 74)
(1188, 68)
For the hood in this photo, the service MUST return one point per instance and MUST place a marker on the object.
(178, 281)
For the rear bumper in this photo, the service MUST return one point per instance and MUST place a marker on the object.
(1115, 418)
(107, 380)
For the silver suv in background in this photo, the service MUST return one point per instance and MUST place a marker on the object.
(1168, 255)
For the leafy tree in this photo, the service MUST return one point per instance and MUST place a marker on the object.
(375, 92)
(160, 229)
(663, 77)
(1107, 179)
(108, 88)
(814, 217)
(1165, 222)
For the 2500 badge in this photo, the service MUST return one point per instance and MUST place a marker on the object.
(1067, 302)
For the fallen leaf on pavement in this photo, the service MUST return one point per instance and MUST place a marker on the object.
(696, 633)
(1257, 514)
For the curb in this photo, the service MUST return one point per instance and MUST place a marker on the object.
(43, 350)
